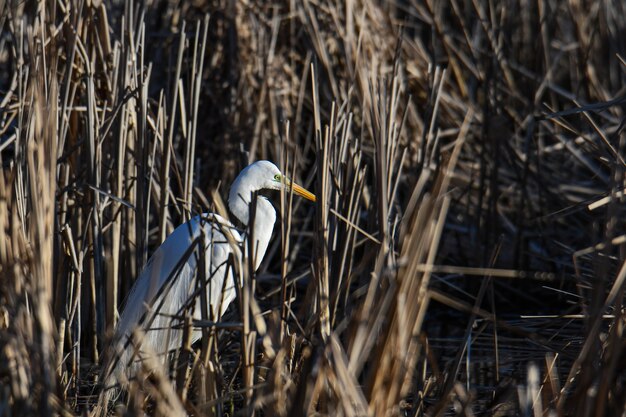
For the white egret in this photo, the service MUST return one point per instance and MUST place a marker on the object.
(167, 285)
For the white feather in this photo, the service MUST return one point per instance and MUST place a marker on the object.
(169, 279)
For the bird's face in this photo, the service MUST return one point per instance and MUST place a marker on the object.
(272, 179)
(261, 175)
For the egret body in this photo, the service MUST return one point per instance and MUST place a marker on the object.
(168, 284)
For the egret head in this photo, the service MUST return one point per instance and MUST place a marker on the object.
(264, 175)
(261, 175)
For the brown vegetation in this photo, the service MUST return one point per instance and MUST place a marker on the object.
(466, 252)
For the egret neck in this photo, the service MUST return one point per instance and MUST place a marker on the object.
(239, 202)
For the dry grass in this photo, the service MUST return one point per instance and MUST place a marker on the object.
(466, 253)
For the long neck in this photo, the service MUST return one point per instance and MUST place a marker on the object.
(264, 218)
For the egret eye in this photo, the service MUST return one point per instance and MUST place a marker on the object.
(277, 177)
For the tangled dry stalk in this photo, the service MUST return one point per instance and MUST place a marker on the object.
(465, 256)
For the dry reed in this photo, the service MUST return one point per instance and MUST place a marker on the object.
(466, 252)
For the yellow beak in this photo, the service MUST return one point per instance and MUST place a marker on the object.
(302, 192)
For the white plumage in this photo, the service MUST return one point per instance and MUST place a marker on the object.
(168, 281)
